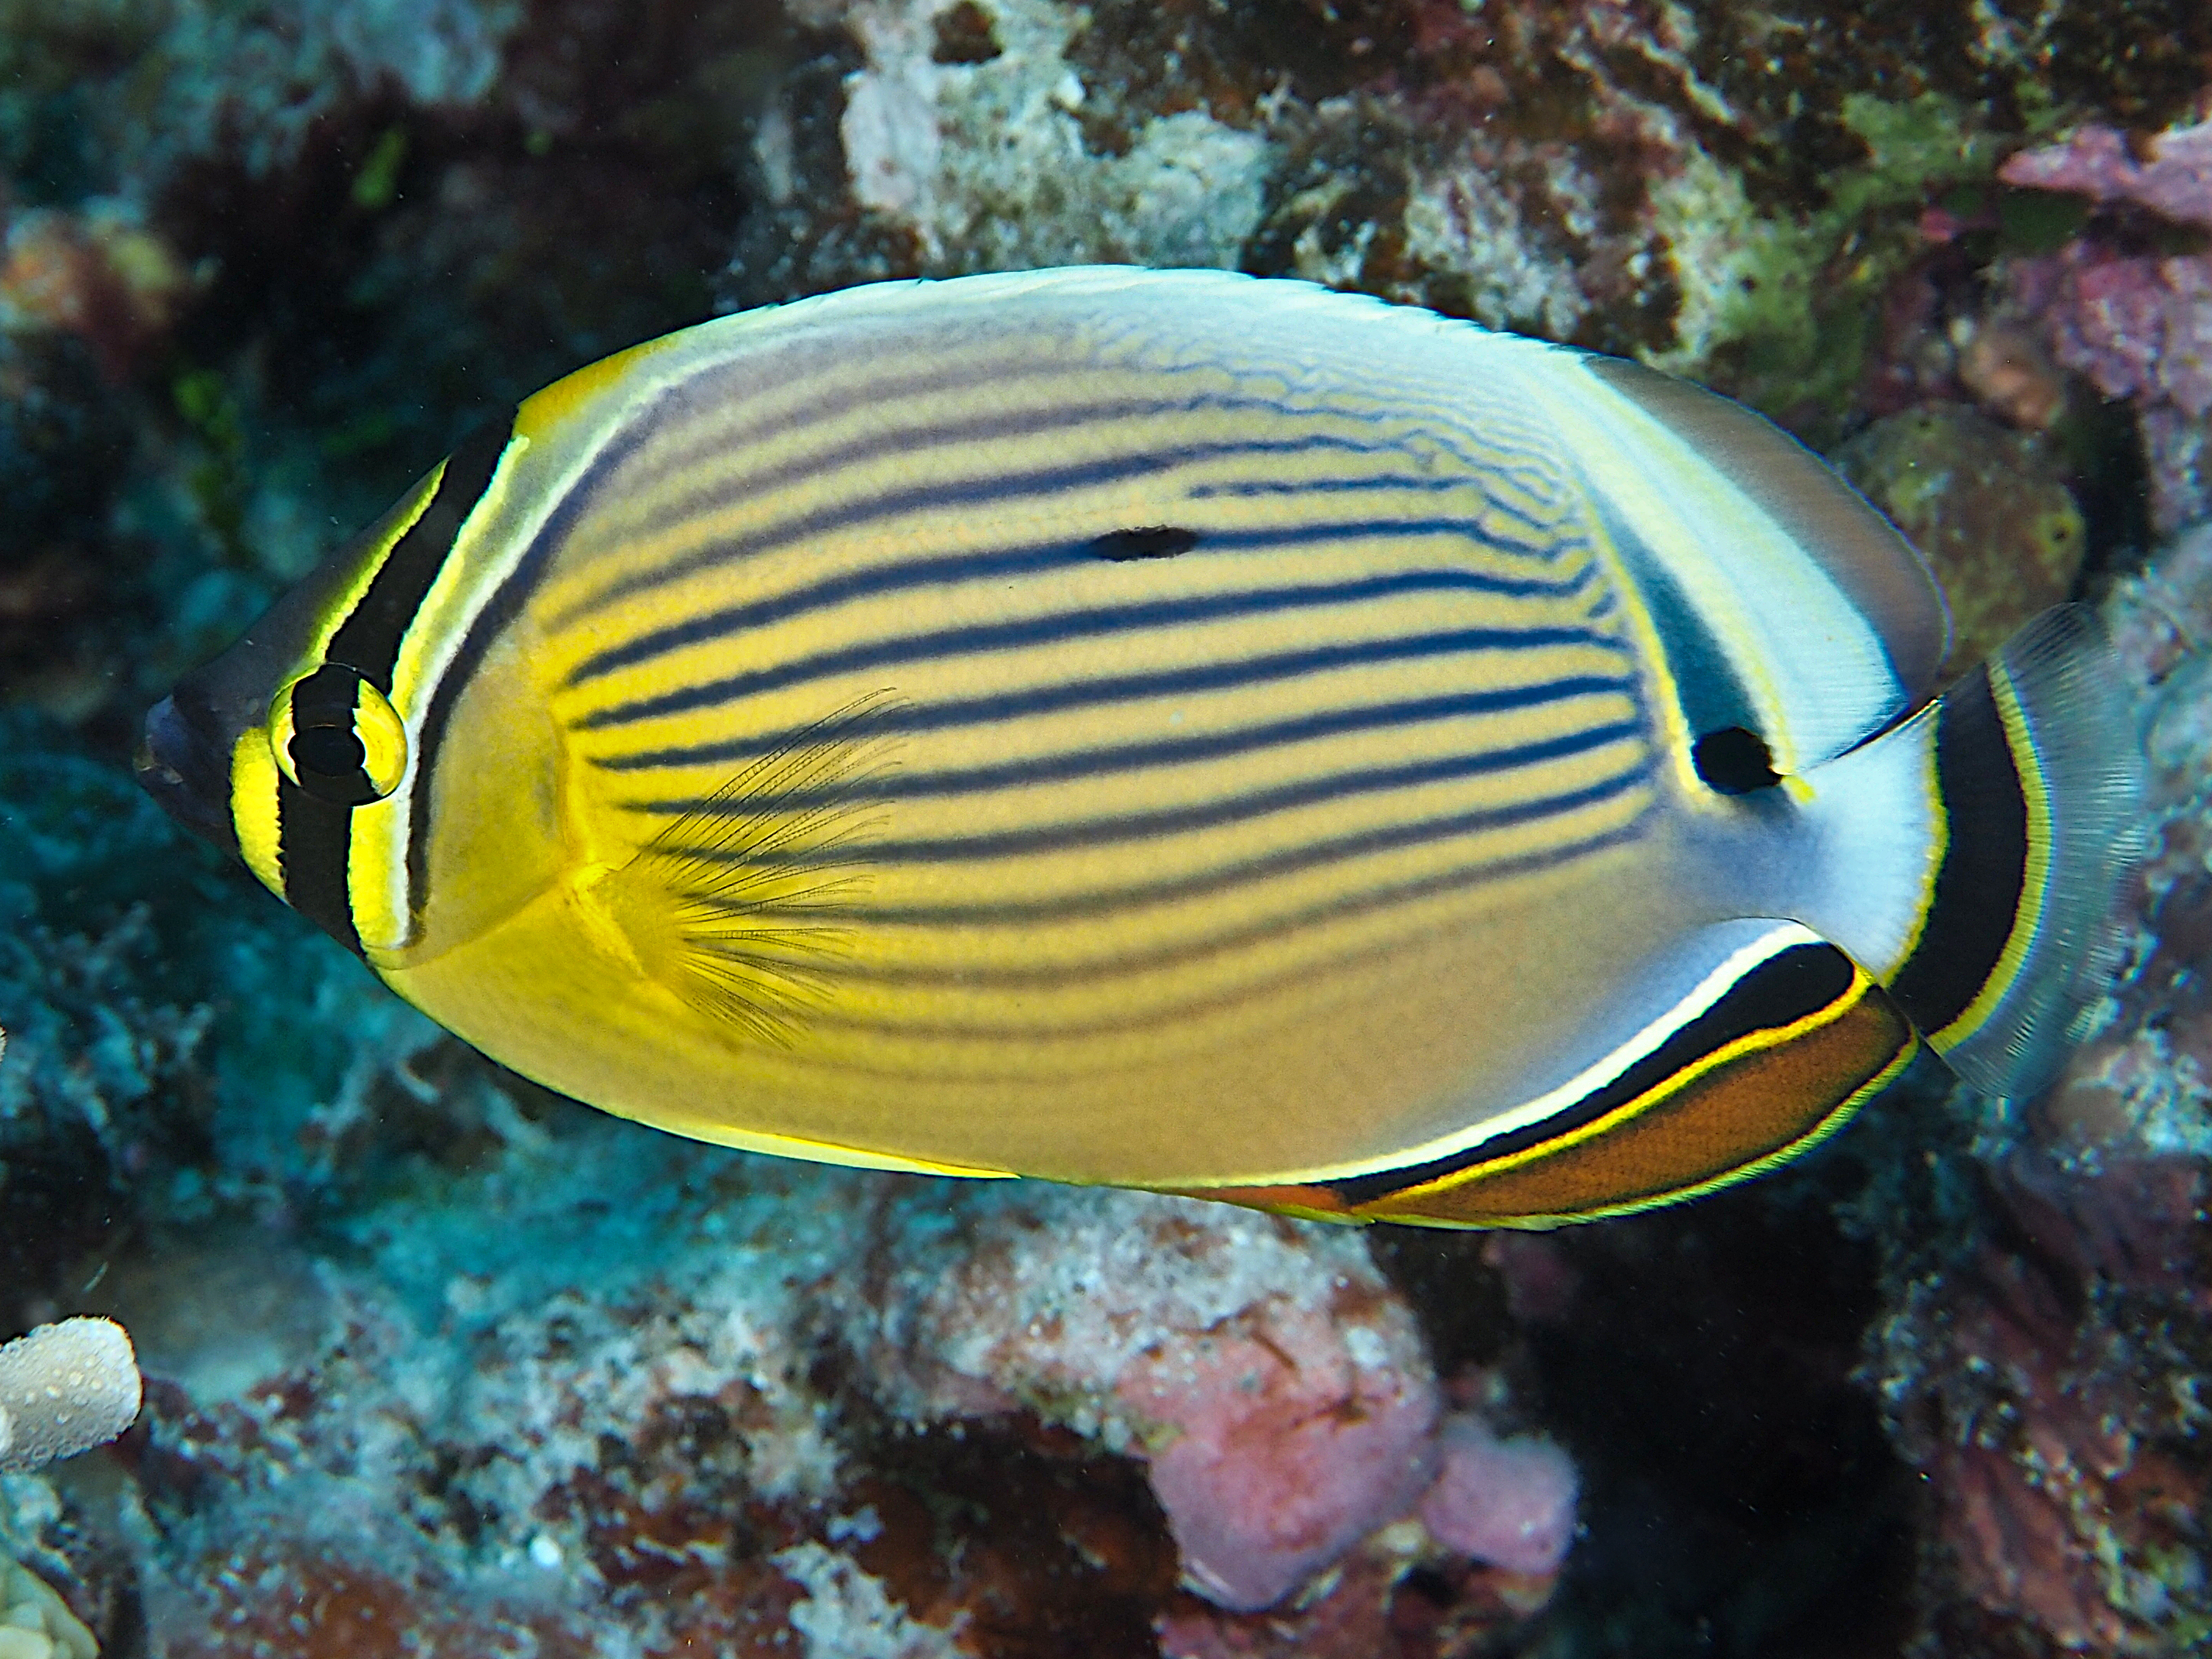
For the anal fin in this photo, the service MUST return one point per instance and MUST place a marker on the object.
(1771, 1066)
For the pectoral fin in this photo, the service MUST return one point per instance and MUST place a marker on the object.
(742, 905)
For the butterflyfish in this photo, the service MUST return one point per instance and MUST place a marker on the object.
(1178, 731)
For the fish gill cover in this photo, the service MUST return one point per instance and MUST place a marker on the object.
(436, 1362)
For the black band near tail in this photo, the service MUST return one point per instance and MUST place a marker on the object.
(1979, 885)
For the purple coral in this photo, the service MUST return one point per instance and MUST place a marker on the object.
(1272, 1381)
(2138, 325)
(2175, 182)
(1508, 1503)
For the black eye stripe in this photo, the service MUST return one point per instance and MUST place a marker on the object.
(326, 697)
(314, 835)
(369, 637)
(325, 747)
(332, 751)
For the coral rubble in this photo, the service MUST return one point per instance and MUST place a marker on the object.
(745, 1412)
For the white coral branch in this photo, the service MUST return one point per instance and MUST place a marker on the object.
(64, 1388)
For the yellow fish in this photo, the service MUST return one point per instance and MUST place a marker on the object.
(1178, 731)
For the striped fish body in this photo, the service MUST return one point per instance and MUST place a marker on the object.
(1162, 729)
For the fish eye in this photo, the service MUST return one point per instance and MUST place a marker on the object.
(338, 737)
(1733, 762)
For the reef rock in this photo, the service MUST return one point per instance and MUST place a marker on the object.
(2133, 317)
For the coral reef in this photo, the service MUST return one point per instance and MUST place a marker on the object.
(1275, 1389)
(983, 159)
(2128, 302)
(131, 1086)
(740, 1419)
(2039, 1357)
(1983, 505)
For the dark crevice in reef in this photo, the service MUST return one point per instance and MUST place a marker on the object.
(412, 266)
(1029, 1541)
(1741, 1500)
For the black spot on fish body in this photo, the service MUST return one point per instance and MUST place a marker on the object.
(1733, 762)
(1152, 541)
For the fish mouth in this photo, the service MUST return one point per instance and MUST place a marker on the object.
(187, 772)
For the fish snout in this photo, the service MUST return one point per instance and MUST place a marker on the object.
(184, 769)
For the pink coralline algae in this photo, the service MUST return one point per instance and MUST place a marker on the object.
(1275, 1385)
(2138, 324)
(1278, 1463)
(1509, 1502)
(2174, 180)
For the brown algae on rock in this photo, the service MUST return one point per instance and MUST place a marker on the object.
(1983, 505)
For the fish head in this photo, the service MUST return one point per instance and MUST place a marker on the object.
(280, 722)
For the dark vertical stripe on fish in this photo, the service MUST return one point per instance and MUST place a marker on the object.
(314, 839)
(1983, 876)
(493, 616)
(367, 641)
(1711, 696)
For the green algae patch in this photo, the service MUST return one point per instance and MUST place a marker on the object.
(1778, 308)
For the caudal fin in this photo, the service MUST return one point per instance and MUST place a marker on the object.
(2038, 784)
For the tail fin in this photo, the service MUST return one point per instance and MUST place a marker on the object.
(2038, 783)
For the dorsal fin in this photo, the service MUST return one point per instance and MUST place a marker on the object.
(1858, 548)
